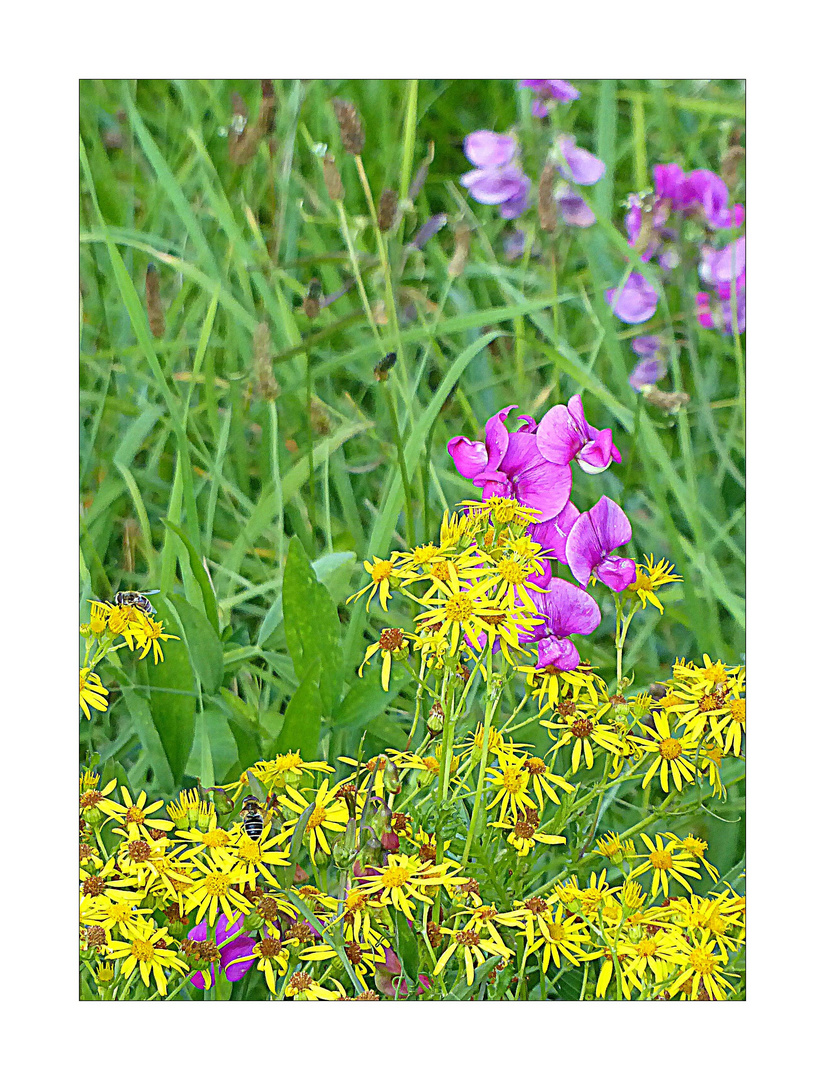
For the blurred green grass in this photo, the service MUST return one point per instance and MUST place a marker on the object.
(173, 428)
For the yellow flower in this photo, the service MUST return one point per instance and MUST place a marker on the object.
(670, 755)
(550, 683)
(135, 815)
(113, 914)
(391, 643)
(219, 888)
(380, 571)
(270, 954)
(329, 813)
(558, 936)
(471, 946)
(154, 635)
(108, 881)
(303, 987)
(144, 949)
(663, 861)
(695, 848)
(92, 692)
(406, 878)
(512, 782)
(458, 611)
(254, 855)
(543, 780)
(699, 976)
(579, 726)
(524, 833)
(613, 847)
(650, 578)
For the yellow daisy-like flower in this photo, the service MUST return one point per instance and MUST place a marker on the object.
(255, 856)
(712, 676)
(700, 977)
(652, 958)
(361, 956)
(144, 948)
(670, 755)
(613, 847)
(154, 635)
(93, 803)
(113, 914)
(698, 913)
(129, 623)
(696, 848)
(650, 578)
(503, 511)
(355, 915)
(503, 627)
(406, 878)
(135, 815)
(579, 726)
(511, 783)
(92, 692)
(524, 833)
(543, 781)
(108, 881)
(457, 611)
(303, 987)
(729, 727)
(664, 861)
(380, 572)
(271, 953)
(550, 684)
(218, 889)
(329, 814)
(286, 770)
(471, 947)
(558, 937)
(392, 644)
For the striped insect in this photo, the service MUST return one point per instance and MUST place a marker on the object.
(136, 600)
(252, 817)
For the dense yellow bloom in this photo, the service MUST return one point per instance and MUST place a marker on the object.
(511, 783)
(406, 878)
(135, 815)
(143, 948)
(303, 987)
(578, 725)
(329, 814)
(550, 684)
(455, 611)
(650, 578)
(558, 937)
(219, 888)
(287, 769)
(671, 755)
(92, 692)
(663, 861)
(255, 856)
(271, 954)
(471, 947)
(700, 975)
(524, 833)
(613, 847)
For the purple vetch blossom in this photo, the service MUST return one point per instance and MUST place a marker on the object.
(236, 957)
(651, 366)
(498, 179)
(564, 434)
(513, 244)
(700, 190)
(594, 535)
(724, 271)
(564, 609)
(552, 535)
(572, 207)
(428, 230)
(636, 303)
(576, 164)
(548, 90)
(510, 465)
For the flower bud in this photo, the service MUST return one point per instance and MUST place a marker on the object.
(390, 841)
(252, 922)
(332, 179)
(85, 630)
(92, 815)
(371, 853)
(435, 721)
(345, 847)
(391, 779)
(321, 857)
(387, 209)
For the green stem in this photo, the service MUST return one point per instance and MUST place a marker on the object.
(489, 709)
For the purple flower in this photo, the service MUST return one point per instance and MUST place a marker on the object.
(573, 208)
(672, 184)
(565, 609)
(594, 535)
(636, 302)
(236, 957)
(578, 165)
(498, 179)
(552, 535)
(548, 90)
(712, 192)
(564, 434)
(652, 366)
(510, 465)
(724, 270)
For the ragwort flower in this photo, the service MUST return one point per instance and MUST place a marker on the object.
(144, 948)
(92, 692)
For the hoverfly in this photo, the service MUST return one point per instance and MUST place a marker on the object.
(252, 817)
(137, 600)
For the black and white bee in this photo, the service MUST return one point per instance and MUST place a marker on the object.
(136, 599)
(252, 817)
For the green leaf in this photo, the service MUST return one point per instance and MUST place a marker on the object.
(210, 605)
(366, 699)
(407, 942)
(312, 627)
(461, 990)
(221, 745)
(333, 570)
(205, 649)
(302, 720)
(172, 698)
(147, 732)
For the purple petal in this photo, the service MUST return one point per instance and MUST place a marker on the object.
(237, 958)
(518, 203)
(584, 550)
(573, 209)
(580, 165)
(594, 535)
(468, 457)
(539, 109)
(198, 980)
(487, 149)
(536, 482)
(497, 437)
(558, 436)
(595, 456)
(529, 424)
(570, 610)
(611, 522)
(562, 91)
(646, 345)
(560, 652)
(552, 535)
(637, 301)
(494, 186)
(647, 372)
(616, 573)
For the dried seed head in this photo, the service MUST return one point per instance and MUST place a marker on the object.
(669, 403)
(312, 300)
(462, 250)
(154, 305)
(244, 139)
(547, 204)
(352, 131)
(266, 384)
(729, 168)
(387, 209)
(319, 418)
(332, 178)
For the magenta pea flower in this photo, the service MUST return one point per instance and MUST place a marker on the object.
(578, 165)
(636, 302)
(724, 270)
(594, 535)
(548, 90)
(564, 434)
(498, 179)
(510, 465)
(236, 957)
(552, 535)
(712, 192)
(564, 609)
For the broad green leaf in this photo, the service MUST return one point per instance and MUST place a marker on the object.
(312, 627)
(205, 648)
(301, 730)
(172, 697)
(207, 592)
(223, 749)
(333, 570)
(407, 947)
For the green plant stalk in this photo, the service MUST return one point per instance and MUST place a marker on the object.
(489, 709)
(402, 464)
(356, 270)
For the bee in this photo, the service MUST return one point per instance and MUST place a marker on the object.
(137, 600)
(252, 817)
